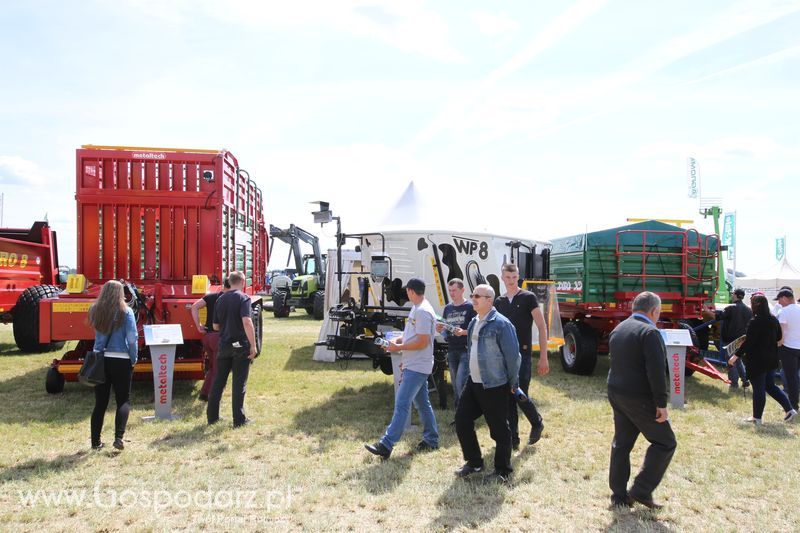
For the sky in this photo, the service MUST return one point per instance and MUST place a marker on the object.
(526, 118)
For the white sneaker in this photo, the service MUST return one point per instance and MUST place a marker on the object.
(790, 415)
(751, 420)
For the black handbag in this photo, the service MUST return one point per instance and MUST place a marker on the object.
(93, 369)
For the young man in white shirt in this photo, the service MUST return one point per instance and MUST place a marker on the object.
(789, 350)
(417, 365)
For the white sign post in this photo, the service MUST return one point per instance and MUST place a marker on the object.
(676, 341)
(162, 339)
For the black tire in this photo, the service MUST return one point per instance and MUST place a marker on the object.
(54, 382)
(385, 364)
(258, 326)
(309, 310)
(579, 353)
(26, 319)
(319, 305)
(279, 307)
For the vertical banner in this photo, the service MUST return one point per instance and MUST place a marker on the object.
(729, 230)
(693, 177)
(780, 248)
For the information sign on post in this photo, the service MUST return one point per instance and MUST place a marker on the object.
(162, 340)
(676, 341)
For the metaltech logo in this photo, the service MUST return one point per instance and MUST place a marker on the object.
(149, 155)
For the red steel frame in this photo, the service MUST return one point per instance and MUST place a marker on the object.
(154, 217)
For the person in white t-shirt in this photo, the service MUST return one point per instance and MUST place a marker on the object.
(416, 366)
(789, 351)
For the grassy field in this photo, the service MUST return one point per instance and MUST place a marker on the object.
(302, 464)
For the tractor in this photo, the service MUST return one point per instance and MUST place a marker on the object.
(307, 289)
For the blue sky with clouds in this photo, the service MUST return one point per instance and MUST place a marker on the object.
(581, 112)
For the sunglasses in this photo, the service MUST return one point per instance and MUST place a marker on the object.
(479, 296)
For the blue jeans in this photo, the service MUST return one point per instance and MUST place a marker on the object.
(458, 361)
(413, 388)
(763, 384)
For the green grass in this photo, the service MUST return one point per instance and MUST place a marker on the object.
(311, 422)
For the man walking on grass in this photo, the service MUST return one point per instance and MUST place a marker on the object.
(522, 309)
(638, 390)
(493, 374)
(417, 364)
(237, 349)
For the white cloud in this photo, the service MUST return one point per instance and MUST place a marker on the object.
(559, 27)
(15, 170)
(494, 24)
(580, 101)
(408, 25)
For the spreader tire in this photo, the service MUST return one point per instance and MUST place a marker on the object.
(54, 382)
(26, 319)
(579, 353)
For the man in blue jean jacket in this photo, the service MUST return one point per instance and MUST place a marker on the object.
(494, 362)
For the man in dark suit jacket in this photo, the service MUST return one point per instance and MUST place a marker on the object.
(638, 390)
(735, 318)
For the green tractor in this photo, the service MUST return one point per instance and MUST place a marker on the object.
(307, 289)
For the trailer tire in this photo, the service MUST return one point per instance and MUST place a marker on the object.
(26, 319)
(385, 364)
(54, 382)
(279, 307)
(319, 305)
(579, 353)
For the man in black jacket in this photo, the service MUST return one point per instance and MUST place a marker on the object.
(735, 318)
(638, 390)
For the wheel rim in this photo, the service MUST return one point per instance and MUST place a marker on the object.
(569, 351)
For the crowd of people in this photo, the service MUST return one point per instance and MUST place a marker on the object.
(228, 339)
(490, 360)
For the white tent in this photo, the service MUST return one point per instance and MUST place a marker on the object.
(771, 280)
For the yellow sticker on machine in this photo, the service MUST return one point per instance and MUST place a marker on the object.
(71, 307)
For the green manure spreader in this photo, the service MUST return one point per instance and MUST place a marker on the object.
(597, 276)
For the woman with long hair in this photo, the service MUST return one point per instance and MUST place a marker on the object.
(116, 337)
(760, 351)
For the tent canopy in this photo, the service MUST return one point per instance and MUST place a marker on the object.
(778, 275)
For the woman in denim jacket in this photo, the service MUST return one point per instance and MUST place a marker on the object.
(116, 336)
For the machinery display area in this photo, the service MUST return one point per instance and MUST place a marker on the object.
(598, 274)
(170, 224)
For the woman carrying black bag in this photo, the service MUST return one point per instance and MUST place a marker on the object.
(760, 351)
(116, 337)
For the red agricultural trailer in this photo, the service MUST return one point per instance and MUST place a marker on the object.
(28, 273)
(166, 223)
(598, 275)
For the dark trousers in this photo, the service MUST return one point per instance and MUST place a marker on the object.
(529, 408)
(118, 376)
(210, 348)
(765, 383)
(493, 405)
(789, 361)
(633, 415)
(230, 359)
